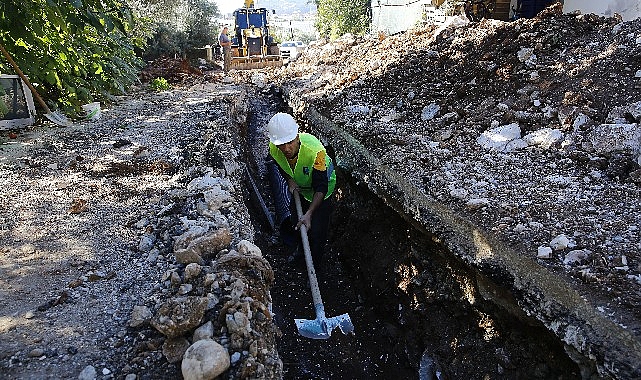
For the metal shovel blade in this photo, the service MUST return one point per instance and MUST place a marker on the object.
(321, 328)
(58, 118)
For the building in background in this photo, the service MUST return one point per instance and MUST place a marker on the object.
(628, 9)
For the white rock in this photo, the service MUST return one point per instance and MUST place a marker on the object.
(560, 242)
(559, 180)
(247, 247)
(258, 80)
(638, 74)
(543, 252)
(392, 116)
(430, 111)
(146, 243)
(217, 197)
(204, 360)
(544, 138)
(580, 121)
(185, 289)
(576, 256)
(500, 138)
(535, 225)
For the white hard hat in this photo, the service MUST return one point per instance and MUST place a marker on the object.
(282, 128)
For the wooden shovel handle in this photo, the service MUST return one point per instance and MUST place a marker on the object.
(24, 78)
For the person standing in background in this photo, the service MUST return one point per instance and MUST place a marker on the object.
(225, 43)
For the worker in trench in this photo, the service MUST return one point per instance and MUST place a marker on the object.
(299, 161)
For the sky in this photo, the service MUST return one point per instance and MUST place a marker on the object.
(228, 6)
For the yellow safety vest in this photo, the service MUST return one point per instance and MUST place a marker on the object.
(302, 173)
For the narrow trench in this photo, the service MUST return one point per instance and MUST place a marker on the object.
(418, 312)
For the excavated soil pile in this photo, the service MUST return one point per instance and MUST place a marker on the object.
(524, 136)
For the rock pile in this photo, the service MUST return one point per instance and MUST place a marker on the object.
(133, 257)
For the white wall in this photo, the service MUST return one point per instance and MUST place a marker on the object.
(394, 16)
(628, 9)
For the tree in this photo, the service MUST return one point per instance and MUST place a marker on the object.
(337, 17)
(74, 51)
(178, 25)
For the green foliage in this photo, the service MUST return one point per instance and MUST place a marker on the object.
(287, 34)
(337, 17)
(73, 51)
(179, 25)
(159, 84)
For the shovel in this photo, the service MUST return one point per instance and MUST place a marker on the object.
(55, 117)
(321, 327)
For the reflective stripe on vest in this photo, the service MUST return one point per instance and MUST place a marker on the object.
(302, 173)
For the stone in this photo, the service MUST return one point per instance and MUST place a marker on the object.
(140, 316)
(192, 271)
(607, 138)
(205, 331)
(204, 360)
(131, 376)
(248, 248)
(504, 138)
(88, 373)
(173, 349)
(238, 323)
(477, 203)
(36, 353)
(185, 289)
(560, 242)
(524, 54)
(543, 252)
(217, 198)
(204, 247)
(177, 316)
(545, 138)
(430, 111)
(576, 256)
(146, 243)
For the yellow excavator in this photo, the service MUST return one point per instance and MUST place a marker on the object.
(252, 45)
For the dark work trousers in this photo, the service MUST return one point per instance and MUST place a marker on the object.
(320, 225)
(287, 217)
